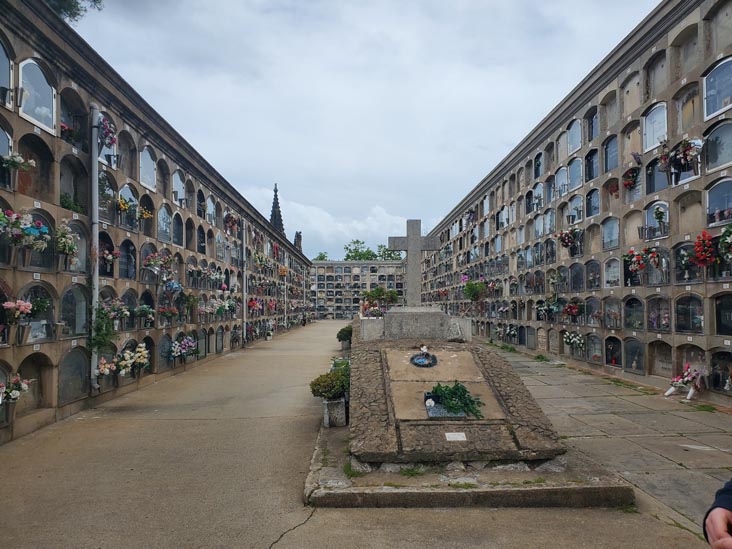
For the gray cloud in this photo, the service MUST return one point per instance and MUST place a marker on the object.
(364, 113)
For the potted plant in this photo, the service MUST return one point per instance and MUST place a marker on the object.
(333, 388)
(345, 335)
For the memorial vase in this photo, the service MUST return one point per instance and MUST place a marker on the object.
(671, 391)
(692, 393)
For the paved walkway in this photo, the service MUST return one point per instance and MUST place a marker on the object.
(679, 453)
(217, 457)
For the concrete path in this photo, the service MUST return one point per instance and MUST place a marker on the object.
(217, 457)
(679, 453)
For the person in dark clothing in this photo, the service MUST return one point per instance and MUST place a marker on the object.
(718, 520)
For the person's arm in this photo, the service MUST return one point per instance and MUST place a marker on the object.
(718, 520)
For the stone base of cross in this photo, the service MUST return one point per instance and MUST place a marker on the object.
(414, 244)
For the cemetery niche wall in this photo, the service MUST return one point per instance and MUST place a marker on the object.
(187, 267)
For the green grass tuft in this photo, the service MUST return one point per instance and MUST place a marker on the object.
(350, 472)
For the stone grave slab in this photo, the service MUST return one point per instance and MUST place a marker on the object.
(409, 403)
(451, 366)
(389, 423)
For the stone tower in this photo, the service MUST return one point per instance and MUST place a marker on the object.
(275, 217)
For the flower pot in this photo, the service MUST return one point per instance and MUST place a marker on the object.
(13, 183)
(62, 262)
(23, 333)
(691, 394)
(12, 335)
(334, 412)
(671, 391)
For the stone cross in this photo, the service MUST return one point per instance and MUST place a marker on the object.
(414, 244)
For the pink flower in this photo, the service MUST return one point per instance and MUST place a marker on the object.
(464, 278)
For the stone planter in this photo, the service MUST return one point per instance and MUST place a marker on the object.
(345, 345)
(334, 412)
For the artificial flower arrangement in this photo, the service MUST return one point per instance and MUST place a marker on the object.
(664, 159)
(574, 340)
(687, 151)
(115, 309)
(110, 256)
(569, 237)
(572, 309)
(14, 389)
(638, 261)
(144, 213)
(22, 230)
(659, 214)
(686, 259)
(14, 161)
(511, 331)
(232, 222)
(725, 245)
(168, 312)
(107, 132)
(16, 311)
(66, 239)
(542, 311)
(704, 251)
(687, 377)
(630, 178)
(105, 367)
(145, 312)
(185, 347)
(124, 205)
(373, 312)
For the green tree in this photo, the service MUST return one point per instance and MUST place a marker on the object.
(356, 250)
(73, 10)
(385, 254)
(322, 256)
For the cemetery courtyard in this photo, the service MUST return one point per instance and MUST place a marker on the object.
(218, 456)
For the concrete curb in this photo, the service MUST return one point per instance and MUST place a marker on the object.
(336, 479)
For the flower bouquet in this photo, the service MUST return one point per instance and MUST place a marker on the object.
(630, 178)
(14, 161)
(511, 331)
(637, 261)
(704, 251)
(572, 309)
(24, 231)
(14, 389)
(17, 311)
(110, 256)
(688, 379)
(146, 313)
(569, 237)
(725, 245)
(168, 312)
(574, 340)
(659, 214)
(66, 240)
(105, 368)
(107, 132)
(144, 213)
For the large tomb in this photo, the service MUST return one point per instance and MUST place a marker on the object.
(389, 419)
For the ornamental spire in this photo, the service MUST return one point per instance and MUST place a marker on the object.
(275, 218)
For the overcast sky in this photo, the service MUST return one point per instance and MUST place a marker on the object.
(365, 113)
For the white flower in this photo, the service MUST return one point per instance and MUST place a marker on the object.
(14, 394)
(24, 387)
(429, 403)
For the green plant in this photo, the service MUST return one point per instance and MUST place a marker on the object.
(332, 385)
(509, 348)
(350, 471)
(415, 471)
(462, 485)
(457, 399)
(70, 204)
(474, 290)
(40, 305)
(339, 363)
(541, 358)
(103, 331)
(345, 333)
